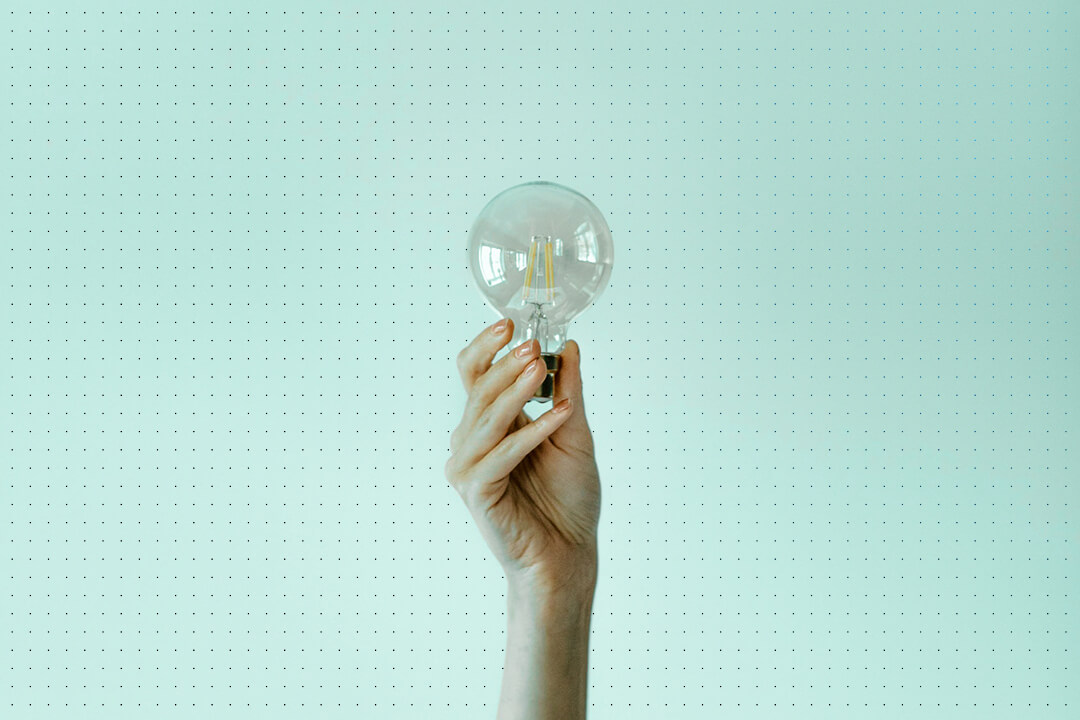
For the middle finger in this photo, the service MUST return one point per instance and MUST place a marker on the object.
(491, 426)
(489, 385)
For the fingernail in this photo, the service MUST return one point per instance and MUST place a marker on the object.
(563, 406)
(524, 350)
(498, 327)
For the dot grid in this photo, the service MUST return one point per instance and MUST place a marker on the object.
(829, 382)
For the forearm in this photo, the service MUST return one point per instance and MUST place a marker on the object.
(547, 654)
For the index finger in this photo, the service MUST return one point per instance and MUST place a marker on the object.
(475, 359)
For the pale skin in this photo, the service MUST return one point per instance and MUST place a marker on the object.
(533, 489)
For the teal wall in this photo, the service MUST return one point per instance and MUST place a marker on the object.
(830, 382)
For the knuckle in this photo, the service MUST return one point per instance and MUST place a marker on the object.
(506, 448)
(487, 418)
(462, 359)
(484, 384)
(450, 470)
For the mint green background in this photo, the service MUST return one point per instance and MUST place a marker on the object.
(829, 382)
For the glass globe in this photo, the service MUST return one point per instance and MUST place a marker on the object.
(540, 254)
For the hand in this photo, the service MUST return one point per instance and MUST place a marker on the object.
(532, 487)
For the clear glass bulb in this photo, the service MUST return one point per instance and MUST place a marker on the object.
(540, 254)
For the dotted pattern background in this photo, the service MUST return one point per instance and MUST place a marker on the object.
(829, 382)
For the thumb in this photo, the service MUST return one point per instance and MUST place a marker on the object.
(574, 432)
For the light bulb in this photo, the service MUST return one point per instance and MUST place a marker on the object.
(540, 254)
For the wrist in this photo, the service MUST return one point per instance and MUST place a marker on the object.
(569, 581)
(568, 607)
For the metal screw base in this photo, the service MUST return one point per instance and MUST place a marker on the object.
(546, 391)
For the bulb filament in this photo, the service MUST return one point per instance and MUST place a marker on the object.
(540, 286)
(540, 278)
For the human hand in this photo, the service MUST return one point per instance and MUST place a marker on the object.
(532, 486)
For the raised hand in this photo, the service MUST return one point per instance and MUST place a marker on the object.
(532, 486)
